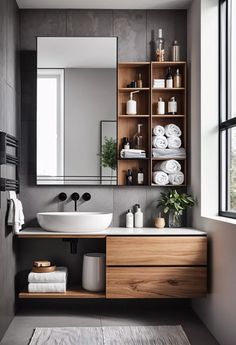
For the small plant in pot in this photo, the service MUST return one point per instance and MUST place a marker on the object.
(175, 204)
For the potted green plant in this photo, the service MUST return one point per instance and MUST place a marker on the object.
(108, 154)
(174, 204)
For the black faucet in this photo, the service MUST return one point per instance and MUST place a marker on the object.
(75, 197)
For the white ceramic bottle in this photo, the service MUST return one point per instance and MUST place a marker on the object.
(129, 219)
(160, 106)
(138, 218)
(131, 106)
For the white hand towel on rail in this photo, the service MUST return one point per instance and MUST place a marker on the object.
(159, 142)
(176, 179)
(171, 166)
(172, 130)
(174, 142)
(158, 131)
(47, 287)
(181, 152)
(58, 276)
(160, 178)
(15, 213)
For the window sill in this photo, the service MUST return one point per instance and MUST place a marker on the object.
(221, 219)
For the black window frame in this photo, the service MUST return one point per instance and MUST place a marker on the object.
(226, 120)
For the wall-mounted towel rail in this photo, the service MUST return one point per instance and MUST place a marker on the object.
(7, 140)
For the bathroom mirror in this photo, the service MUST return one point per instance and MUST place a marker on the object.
(76, 110)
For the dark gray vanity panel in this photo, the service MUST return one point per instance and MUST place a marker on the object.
(130, 27)
(9, 121)
(89, 23)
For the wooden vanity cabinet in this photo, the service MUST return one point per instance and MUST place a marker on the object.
(156, 267)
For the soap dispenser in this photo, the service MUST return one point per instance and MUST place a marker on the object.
(138, 218)
(131, 107)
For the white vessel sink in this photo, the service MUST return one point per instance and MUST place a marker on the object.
(81, 222)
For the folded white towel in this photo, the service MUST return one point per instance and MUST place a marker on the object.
(172, 130)
(159, 142)
(58, 276)
(47, 287)
(160, 178)
(174, 142)
(176, 179)
(171, 166)
(158, 131)
(132, 153)
(181, 152)
(15, 213)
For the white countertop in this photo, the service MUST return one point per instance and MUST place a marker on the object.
(119, 231)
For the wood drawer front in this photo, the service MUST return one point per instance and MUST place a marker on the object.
(154, 251)
(156, 282)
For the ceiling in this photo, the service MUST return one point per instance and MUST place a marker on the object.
(105, 4)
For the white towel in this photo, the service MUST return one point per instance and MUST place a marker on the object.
(160, 178)
(132, 153)
(58, 276)
(174, 142)
(15, 213)
(47, 287)
(176, 179)
(158, 131)
(181, 152)
(159, 142)
(171, 166)
(172, 130)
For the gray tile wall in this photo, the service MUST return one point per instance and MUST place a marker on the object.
(135, 32)
(9, 122)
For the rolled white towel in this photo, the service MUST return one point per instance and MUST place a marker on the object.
(176, 179)
(159, 142)
(174, 142)
(160, 178)
(58, 276)
(172, 130)
(158, 131)
(171, 166)
(47, 287)
(181, 152)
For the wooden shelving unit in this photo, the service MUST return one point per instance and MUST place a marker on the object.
(146, 106)
(77, 292)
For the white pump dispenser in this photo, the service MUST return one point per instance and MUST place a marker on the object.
(131, 108)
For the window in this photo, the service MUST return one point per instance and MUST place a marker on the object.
(50, 124)
(227, 124)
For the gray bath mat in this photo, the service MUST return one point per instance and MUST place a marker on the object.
(127, 335)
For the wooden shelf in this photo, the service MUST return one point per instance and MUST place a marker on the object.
(134, 116)
(130, 89)
(167, 116)
(169, 185)
(134, 64)
(167, 158)
(166, 89)
(70, 293)
(133, 159)
(167, 63)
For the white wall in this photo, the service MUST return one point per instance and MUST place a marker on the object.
(218, 310)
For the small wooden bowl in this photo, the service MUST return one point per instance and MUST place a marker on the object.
(44, 269)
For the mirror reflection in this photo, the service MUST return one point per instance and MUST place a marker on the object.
(76, 110)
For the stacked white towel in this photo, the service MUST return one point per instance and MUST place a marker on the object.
(172, 169)
(172, 130)
(48, 282)
(159, 142)
(132, 153)
(160, 178)
(169, 152)
(174, 142)
(158, 131)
